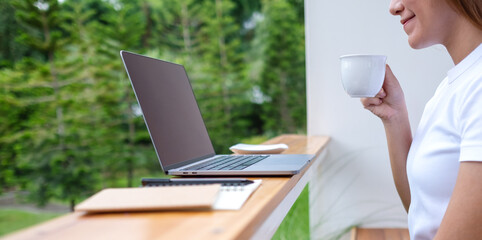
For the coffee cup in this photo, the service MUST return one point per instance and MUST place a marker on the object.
(362, 75)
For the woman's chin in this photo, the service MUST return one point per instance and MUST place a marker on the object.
(416, 43)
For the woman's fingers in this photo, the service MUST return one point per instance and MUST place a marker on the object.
(370, 102)
(389, 100)
(374, 101)
(381, 94)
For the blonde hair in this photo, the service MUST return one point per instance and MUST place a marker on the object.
(471, 9)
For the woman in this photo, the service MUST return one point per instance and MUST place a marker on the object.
(438, 173)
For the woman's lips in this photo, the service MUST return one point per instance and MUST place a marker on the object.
(406, 20)
(406, 23)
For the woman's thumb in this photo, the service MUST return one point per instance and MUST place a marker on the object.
(390, 79)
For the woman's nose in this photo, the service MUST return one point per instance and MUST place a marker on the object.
(396, 7)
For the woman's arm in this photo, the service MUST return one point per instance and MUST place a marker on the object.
(389, 105)
(463, 217)
(399, 139)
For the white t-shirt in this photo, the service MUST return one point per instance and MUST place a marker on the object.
(450, 131)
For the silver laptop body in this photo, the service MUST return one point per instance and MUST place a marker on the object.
(176, 127)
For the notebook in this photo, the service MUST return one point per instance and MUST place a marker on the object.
(232, 194)
(192, 197)
(234, 197)
(200, 197)
(177, 129)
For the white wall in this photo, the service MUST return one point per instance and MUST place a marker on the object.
(354, 185)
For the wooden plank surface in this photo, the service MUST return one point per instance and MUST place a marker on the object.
(183, 224)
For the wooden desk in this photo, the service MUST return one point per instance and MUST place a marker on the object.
(258, 219)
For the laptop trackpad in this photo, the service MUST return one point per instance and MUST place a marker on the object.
(282, 162)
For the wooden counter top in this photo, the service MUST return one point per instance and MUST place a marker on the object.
(260, 214)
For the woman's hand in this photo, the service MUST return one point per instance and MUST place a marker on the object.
(389, 105)
(390, 101)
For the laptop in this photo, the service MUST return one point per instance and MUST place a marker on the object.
(177, 129)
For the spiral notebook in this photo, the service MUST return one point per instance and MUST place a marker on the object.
(233, 197)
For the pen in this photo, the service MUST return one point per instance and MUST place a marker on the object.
(192, 181)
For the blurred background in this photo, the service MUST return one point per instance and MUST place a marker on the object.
(69, 121)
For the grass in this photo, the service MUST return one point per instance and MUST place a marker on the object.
(296, 224)
(13, 219)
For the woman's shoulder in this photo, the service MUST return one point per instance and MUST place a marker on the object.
(467, 88)
(472, 76)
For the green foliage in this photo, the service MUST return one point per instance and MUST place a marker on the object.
(69, 121)
(255, 140)
(282, 74)
(42, 20)
(223, 89)
(10, 50)
(296, 224)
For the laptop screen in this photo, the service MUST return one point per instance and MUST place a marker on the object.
(170, 110)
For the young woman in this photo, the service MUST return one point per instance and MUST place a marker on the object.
(438, 173)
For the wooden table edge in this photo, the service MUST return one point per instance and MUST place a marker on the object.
(248, 230)
(277, 200)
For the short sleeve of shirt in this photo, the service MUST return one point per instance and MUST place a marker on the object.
(470, 122)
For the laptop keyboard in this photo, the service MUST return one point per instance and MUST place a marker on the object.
(228, 162)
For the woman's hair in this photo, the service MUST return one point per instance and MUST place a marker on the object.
(471, 9)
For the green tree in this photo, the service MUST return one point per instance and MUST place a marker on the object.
(245, 13)
(223, 90)
(176, 26)
(10, 140)
(60, 165)
(282, 74)
(10, 50)
(70, 123)
(124, 132)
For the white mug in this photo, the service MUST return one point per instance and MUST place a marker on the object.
(362, 75)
